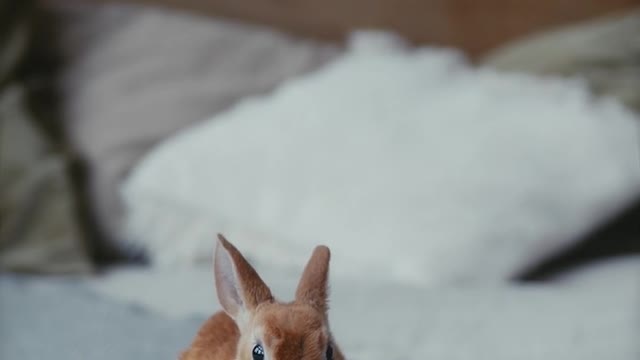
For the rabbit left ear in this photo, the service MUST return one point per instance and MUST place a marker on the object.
(313, 286)
(238, 285)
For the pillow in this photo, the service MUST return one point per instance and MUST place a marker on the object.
(410, 164)
(133, 75)
(39, 226)
(40, 231)
(602, 51)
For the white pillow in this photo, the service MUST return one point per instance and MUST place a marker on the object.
(135, 74)
(410, 164)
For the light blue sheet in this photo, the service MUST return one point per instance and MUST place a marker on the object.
(61, 320)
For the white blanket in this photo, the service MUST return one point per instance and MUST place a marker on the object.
(587, 315)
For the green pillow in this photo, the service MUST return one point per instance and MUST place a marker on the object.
(39, 229)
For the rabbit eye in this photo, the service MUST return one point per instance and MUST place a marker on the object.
(329, 353)
(258, 352)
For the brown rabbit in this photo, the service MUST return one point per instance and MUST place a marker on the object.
(254, 325)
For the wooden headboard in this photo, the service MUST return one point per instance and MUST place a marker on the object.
(475, 26)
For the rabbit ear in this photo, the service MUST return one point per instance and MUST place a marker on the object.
(313, 286)
(238, 286)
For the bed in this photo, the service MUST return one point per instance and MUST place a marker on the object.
(468, 234)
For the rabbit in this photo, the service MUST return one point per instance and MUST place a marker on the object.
(254, 325)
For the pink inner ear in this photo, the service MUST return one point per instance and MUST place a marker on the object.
(226, 282)
(237, 283)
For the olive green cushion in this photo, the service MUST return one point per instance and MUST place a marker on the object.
(39, 228)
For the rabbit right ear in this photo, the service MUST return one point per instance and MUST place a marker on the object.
(313, 288)
(238, 286)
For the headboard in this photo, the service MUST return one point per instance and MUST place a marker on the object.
(475, 26)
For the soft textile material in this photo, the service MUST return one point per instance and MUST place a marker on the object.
(161, 289)
(604, 52)
(133, 75)
(62, 319)
(409, 164)
(39, 227)
(53, 319)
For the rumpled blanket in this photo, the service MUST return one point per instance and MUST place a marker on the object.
(39, 229)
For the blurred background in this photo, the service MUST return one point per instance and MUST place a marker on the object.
(473, 165)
